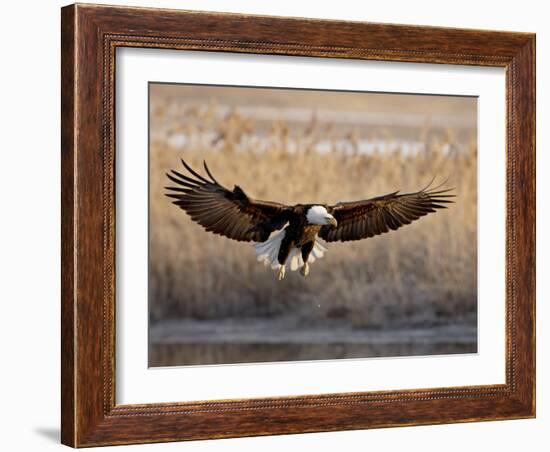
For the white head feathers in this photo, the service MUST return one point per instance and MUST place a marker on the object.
(318, 215)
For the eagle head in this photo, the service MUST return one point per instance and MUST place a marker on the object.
(320, 215)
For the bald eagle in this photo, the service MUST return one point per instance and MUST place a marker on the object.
(303, 227)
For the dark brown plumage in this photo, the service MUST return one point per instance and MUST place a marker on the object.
(362, 219)
(225, 212)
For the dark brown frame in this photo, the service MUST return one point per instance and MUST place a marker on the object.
(90, 34)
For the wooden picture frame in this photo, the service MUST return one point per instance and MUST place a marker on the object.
(90, 36)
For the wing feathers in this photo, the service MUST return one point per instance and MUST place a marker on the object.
(209, 173)
(236, 216)
(221, 211)
(362, 219)
(194, 173)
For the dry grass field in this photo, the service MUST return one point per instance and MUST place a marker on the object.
(422, 276)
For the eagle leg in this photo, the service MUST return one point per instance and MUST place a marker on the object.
(306, 251)
(284, 251)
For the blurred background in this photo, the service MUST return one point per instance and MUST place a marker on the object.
(404, 293)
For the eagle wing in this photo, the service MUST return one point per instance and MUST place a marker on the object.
(362, 219)
(221, 211)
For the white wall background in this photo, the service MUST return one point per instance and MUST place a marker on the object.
(29, 224)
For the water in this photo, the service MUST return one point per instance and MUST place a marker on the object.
(189, 342)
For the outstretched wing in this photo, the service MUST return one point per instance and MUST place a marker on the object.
(221, 211)
(362, 219)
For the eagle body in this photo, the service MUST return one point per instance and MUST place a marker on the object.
(294, 236)
(299, 238)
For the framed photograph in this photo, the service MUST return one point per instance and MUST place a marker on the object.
(282, 225)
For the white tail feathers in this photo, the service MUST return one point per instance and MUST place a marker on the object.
(268, 252)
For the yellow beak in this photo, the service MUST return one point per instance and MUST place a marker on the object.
(332, 221)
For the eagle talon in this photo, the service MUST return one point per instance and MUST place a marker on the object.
(281, 273)
(304, 271)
